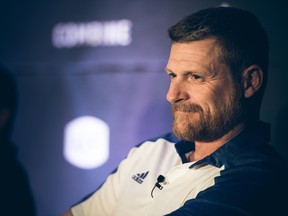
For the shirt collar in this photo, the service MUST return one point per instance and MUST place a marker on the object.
(250, 138)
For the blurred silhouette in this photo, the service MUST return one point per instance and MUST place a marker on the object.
(16, 196)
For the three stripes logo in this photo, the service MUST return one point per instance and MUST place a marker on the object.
(139, 177)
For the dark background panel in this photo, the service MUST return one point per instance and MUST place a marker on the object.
(125, 86)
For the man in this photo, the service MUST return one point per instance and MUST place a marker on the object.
(221, 162)
(16, 196)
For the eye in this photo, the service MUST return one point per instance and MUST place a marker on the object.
(172, 75)
(196, 77)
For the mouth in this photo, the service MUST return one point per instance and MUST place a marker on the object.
(183, 112)
(180, 116)
(186, 108)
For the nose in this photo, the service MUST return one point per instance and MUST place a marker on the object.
(176, 93)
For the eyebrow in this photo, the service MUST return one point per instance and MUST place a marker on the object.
(168, 70)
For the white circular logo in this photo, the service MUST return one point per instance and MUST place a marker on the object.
(86, 142)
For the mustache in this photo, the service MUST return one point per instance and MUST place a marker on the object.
(186, 107)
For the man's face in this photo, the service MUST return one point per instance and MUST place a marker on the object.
(205, 101)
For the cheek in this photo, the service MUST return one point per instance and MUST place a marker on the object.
(215, 101)
(211, 95)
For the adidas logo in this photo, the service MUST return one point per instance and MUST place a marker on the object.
(139, 177)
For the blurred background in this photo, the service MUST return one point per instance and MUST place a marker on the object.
(92, 84)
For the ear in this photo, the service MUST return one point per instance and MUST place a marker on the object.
(252, 80)
(4, 117)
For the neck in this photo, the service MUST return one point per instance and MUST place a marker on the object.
(203, 149)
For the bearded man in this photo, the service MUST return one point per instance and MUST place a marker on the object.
(220, 163)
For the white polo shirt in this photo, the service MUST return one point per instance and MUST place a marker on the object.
(220, 181)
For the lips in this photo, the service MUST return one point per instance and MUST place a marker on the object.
(186, 108)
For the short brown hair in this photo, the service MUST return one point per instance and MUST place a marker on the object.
(241, 39)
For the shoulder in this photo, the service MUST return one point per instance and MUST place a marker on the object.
(257, 172)
(156, 145)
(167, 137)
(258, 177)
(266, 157)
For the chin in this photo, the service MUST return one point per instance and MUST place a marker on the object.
(180, 131)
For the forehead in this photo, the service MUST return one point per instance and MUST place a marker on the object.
(197, 53)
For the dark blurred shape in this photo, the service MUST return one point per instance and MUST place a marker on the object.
(15, 192)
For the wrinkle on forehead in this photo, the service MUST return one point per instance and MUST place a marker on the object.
(206, 46)
(203, 55)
